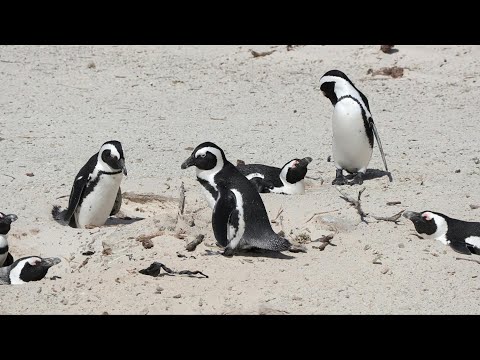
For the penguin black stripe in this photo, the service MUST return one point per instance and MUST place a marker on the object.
(339, 74)
(91, 184)
(209, 187)
(366, 122)
(239, 217)
(461, 236)
(95, 193)
(3, 250)
(353, 128)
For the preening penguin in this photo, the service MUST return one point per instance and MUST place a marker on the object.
(96, 192)
(239, 217)
(287, 180)
(352, 125)
(30, 268)
(5, 221)
(461, 236)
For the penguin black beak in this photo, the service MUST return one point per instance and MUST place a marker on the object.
(304, 162)
(121, 162)
(412, 215)
(49, 262)
(189, 162)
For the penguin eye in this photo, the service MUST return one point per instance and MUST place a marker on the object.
(203, 155)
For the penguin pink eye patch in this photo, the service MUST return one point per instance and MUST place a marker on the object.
(427, 216)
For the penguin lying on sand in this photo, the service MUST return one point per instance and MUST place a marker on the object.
(461, 236)
(30, 268)
(5, 221)
(96, 192)
(352, 125)
(239, 218)
(287, 180)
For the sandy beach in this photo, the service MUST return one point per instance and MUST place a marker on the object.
(59, 104)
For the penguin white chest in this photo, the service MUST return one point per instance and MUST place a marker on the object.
(351, 148)
(297, 188)
(97, 206)
(209, 197)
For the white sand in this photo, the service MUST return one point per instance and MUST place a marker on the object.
(159, 100)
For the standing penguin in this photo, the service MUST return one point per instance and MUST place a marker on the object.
(352, 125)
(96, 192)
(461, 236)
(287, 180)
(239, 218)
(5, 221)
(26, 269)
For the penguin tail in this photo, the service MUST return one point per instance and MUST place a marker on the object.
(58, 214)
(274, 243)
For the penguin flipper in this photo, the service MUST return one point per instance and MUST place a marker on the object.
(262, 185)
(224, 207)
(81, 181)
(118, 202)
(380, 147)
(460, 247)
(8, 261)
(75, 196)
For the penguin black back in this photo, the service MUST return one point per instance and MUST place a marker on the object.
(277, 180)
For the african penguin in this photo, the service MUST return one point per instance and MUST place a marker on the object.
(461, 236)
(5, 221)
(96, 192)
(352, 125)
(287, 180)
(30, 268)
(239, 218)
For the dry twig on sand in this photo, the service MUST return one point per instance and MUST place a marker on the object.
(261, 53)
(358, 206)
(356, 203)
(280, 211)
(144, 198)
(181, 202)
(191, 246)
(154, 270)
(394, 72)
(393, 218)
(320, 213)
(325, 240)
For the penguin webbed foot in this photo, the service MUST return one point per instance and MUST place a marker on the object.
(340, 179)
(228, 252)
(357, 180)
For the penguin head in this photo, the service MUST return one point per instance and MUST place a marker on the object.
(31, 268)
(207, 157)
(429, 224)
(335, 84)
(295, 170)
(111, 154)
(5, 221)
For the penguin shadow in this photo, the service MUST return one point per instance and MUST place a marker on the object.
(263, 253)
(252, 253)
(126, 220)
(371, 174)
